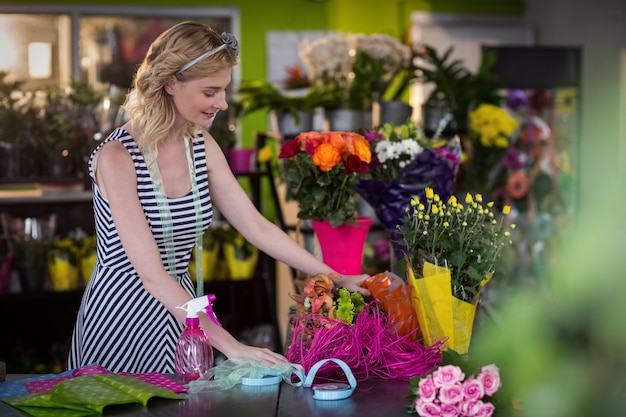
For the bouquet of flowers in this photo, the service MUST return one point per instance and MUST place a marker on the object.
(321, 170)
(452, 250)
(336, 323)
(405, 161)
(448, 391)
(492, 130)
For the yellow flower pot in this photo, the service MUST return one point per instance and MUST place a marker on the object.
(209, 261)
(63, 274)
(87, 264)
(240, 269)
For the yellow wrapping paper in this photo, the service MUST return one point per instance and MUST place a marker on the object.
(63, 274)
(240, 269)
(440, 314)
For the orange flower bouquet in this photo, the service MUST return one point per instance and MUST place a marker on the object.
(321, 170)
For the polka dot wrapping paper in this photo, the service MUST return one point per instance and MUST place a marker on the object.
(84, 395)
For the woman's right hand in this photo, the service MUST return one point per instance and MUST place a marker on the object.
(263, 354)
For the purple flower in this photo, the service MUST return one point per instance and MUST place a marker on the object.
(513, 159)
(448, 154)
(516, 99)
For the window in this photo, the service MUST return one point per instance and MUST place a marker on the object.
(97, 44)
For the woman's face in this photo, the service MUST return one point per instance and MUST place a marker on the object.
(198, 101)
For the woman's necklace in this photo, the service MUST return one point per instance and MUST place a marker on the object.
(166, 215)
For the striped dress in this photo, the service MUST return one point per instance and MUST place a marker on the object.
(120, 325)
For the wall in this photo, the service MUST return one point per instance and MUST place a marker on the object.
(257, 17)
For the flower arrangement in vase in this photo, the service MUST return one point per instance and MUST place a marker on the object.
(321, 170)
(404, 161)
(452, 250)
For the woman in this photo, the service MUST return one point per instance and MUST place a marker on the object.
(155, 181)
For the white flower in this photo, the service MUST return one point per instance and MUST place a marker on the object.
(406, 149)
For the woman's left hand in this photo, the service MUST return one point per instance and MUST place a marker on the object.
(353, 283)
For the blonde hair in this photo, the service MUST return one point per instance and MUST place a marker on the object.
(149, 107)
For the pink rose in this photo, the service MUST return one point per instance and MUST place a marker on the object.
(427, 389)
(451, 394)
(471, 408)
(473, 389)
(427, 409)
(490, 377)
(486, 410)
(450, 410)
(447, 375)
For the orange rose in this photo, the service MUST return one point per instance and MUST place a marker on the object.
(326, 157)
(339, 141)
(361, 148)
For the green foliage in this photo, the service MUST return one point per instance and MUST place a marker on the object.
(455, 87)
(355, 89)
(64, 249)
(243, 248)
(467, 239)
(321, 195)
(349, 305)
(257, 95)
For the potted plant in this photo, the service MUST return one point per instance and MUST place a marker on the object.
(63, 259)
(455, 89)
(241, 256)
(16, 121)
(211, 243)
(296, 108)
(354, 71)
(66, 128)
(31, 263)
(87, 254)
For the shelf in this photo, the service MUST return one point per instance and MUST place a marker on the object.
(71, 197)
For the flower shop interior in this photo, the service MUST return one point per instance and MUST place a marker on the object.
(516, 112)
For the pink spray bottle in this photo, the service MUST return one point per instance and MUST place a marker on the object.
(194, 353)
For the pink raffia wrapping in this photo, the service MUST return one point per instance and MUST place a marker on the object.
(369, 346)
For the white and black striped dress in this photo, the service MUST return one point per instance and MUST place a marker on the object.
(120, 325)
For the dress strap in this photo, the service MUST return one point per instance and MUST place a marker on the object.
(166, 215)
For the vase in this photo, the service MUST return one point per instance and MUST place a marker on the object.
(349, 120)
(240, 269)
(209, 263)
(63, 275)
(395, 112)
(9, 161)
(241, 160)
(288, 125)
(442, 317)
(342, 247)
(87, 264)
(433, 115)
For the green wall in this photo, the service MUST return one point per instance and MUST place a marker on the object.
(356, 16)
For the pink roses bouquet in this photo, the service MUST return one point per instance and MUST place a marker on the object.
(446, 392)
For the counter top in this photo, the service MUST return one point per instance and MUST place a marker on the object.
(373, 397)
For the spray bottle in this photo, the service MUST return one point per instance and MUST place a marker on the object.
(194, 354)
